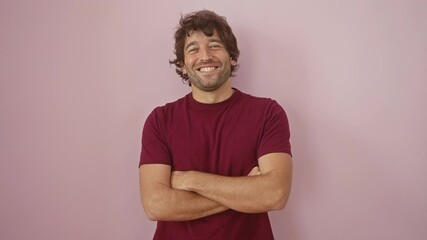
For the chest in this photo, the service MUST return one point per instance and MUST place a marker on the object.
(220, 142)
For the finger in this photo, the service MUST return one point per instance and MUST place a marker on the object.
(255, 171)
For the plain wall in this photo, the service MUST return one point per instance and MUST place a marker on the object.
(78, 79)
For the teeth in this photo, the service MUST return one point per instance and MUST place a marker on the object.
(207, 69)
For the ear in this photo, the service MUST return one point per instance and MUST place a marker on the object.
(233, 63)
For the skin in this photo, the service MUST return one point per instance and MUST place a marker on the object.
(161, 202)
(186, 195)
(201, 51)
(269, 190)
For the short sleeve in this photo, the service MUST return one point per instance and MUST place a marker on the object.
(275, 135)
(154, 145)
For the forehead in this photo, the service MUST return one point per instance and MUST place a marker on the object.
(196, 37)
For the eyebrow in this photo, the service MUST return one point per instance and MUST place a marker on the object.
(213, 40)
(190, 44)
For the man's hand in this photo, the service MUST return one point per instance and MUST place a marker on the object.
(255, 171)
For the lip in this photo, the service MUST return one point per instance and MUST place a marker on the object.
(207, 63)
(206, 66)
(209, 69)
(214, 70)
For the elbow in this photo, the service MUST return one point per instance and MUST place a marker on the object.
(151, 215)
(278, 205)
(152, 211)
(278, 200)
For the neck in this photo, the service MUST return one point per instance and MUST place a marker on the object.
(216, 96)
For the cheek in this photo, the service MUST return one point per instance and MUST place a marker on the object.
(188, 61)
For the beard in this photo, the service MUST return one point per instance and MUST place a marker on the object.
(212, 82)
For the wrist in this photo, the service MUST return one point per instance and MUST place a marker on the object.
(188, 178)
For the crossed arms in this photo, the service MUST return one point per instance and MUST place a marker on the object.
(188, 195)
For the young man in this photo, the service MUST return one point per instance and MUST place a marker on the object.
(214, 162)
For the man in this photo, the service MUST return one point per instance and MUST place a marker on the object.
(214, 162)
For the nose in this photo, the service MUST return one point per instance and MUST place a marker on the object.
(205, 54)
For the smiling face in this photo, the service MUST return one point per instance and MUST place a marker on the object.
(206, 61)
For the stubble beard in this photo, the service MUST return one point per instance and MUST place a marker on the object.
(213, 83)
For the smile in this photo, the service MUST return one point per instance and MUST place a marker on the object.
(207, 69)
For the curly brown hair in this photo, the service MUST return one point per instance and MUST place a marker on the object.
(208, 22)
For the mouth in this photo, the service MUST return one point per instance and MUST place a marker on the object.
(207, 69)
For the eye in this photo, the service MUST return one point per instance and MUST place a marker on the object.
(192, 50)
(215, 45)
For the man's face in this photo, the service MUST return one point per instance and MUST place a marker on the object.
(206, 61)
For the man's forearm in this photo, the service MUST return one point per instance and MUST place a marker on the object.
(266, 191)
(163, 203)
(249, 194)
(178, 205)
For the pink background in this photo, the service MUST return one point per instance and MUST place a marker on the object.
(78, 79)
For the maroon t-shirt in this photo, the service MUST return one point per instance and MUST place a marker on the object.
(225, 138)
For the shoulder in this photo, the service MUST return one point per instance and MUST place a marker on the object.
(163, 115)
(169, 107)
(261, 103)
